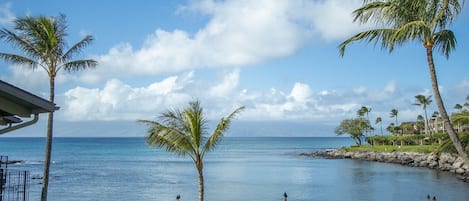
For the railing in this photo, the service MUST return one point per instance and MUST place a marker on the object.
(14, 183)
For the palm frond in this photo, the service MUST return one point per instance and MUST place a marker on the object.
(196, 123)
(371, 11)
(168, 138)
(411, 30)
(17, 59)
(219, 130)
(18, 41)
(445, 42)
(73, 66)
(377, 35)
(77, 48)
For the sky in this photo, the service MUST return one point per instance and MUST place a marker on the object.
(278, 58)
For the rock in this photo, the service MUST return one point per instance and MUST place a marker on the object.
(458, 163)
(445, 161)
(460, 171)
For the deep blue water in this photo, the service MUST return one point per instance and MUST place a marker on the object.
(253, 169)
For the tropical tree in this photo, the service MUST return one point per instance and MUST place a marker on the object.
(420, 123)
(424, 101)
(353, 127)
(393, 114)
(184, 132)
(42, 40)
(407, 21)
(391, 128)
(379, 121)
(362, 112)
(458, 107)
(462, 118)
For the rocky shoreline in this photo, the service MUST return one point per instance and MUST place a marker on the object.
(443, 162)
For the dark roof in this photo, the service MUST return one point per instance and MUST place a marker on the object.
(17, 102)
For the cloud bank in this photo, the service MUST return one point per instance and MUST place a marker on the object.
(237, 34)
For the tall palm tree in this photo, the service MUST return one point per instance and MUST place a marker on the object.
(393, 114)
(361, 113)
(379, 121)
(423, 21)
(424, 101)
(42, 40)
(184, 132)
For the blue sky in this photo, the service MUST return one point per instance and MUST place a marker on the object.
(277, 58)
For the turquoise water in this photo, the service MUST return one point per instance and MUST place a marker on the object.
(254, 169)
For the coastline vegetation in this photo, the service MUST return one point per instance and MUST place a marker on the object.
(422, 136)
(400, 22)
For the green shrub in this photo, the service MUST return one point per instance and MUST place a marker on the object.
(448, 146)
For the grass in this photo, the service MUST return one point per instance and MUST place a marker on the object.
(391, 148)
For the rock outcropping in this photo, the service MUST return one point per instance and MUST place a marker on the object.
(444, 161)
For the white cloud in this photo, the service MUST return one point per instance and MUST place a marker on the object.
(119, 101)
(226, 86)
(6, 16)
(238, 33)
(333, 20)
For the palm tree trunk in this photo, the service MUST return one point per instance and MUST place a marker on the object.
(201, 179)
(441, 108)
(50, 126)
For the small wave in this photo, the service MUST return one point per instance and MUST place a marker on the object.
(33, 162)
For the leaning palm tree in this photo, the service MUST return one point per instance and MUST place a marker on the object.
(42, 40)
(424, 102)
(404, 21)
(184, 132)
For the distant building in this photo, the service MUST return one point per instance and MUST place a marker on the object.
(408, 128)
(436, 125)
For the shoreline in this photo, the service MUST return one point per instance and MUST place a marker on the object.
(443, 162)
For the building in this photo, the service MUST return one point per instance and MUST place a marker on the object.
(17, 104)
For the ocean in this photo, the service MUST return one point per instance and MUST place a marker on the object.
(239, 169)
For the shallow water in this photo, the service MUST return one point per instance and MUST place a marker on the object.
(255, 169)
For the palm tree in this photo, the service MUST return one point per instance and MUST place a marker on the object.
(459, 107)
(420, 123)
(183, 132)
(42, 39)
(393, 114)
(424, 101)
(379, 121)
(423, 21)
(361, 113)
